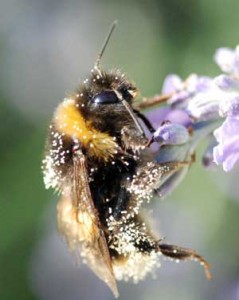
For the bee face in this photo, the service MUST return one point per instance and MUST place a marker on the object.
(101, 100)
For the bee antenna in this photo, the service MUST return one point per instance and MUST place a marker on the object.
(106, 41)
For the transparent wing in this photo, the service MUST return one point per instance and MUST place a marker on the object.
(78, 221)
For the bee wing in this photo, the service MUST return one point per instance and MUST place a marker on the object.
(79, 222)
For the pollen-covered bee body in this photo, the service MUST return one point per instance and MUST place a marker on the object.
(92, 157)
(96, 158)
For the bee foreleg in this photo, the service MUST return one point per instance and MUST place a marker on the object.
(133, 139)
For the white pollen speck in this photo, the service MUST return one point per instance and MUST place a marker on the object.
(81, 94)
(82, 105)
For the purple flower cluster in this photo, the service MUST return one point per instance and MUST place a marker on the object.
(211, 105)
(227, 135)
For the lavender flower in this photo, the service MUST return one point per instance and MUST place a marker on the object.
(221, 102)
(181, 91)
(227, 151)
(202, 103)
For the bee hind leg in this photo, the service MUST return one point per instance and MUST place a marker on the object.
(174, 252)
(180, 253)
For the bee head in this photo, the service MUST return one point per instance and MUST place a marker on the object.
(107, 98)
(110, 88)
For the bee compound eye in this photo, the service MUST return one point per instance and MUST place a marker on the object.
(106, 97)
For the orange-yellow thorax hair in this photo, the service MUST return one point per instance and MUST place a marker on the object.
(69, 121)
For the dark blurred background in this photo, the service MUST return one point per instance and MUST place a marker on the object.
(46, 48)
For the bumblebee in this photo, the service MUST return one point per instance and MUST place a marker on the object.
(97, 158)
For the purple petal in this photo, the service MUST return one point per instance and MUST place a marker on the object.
(157, 116)
(203, 84)
(191, 83)
(226, 157)
(205, 105)
(224, 82)
(225, 58)
(171, 84)
(160, 115)
(179, 117)
(227, 151)
(228, 129)
(230, 105)
(179, 97)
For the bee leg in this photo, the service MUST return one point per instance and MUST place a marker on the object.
(152, 176)
(180, 253)
(133, 139)
(148, 245)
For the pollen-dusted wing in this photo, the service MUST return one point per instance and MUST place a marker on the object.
(78, 221)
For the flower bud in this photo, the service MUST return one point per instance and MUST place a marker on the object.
(171, 134)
